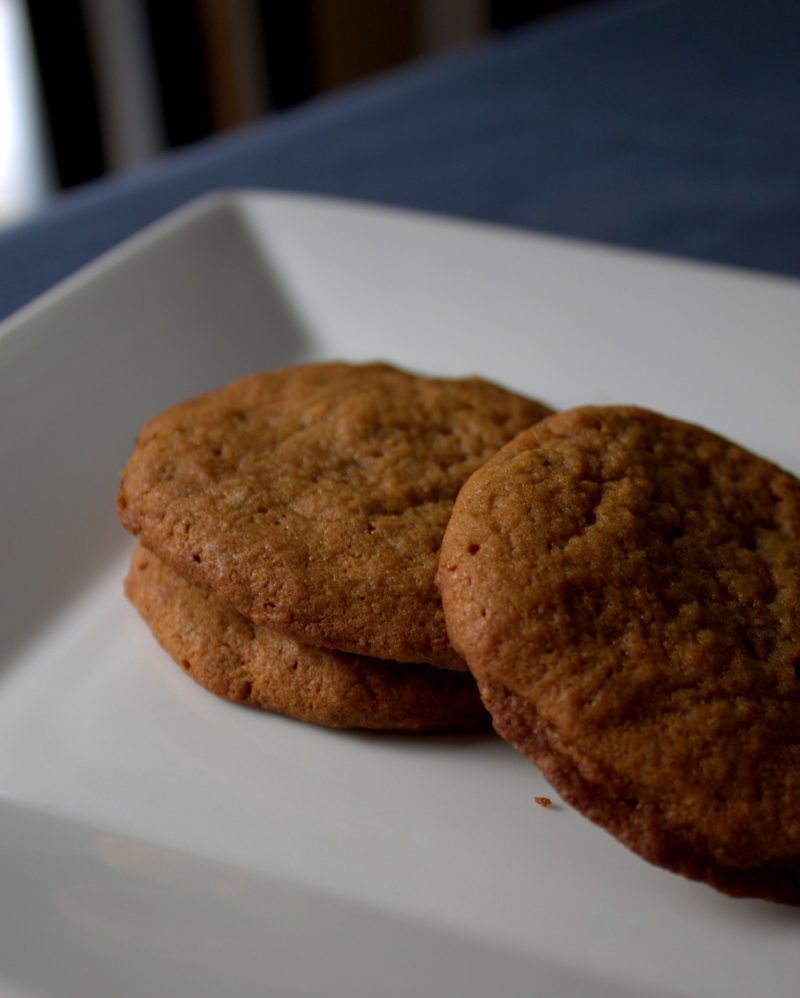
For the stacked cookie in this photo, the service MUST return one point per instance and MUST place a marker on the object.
(289, 528)
(626, 591)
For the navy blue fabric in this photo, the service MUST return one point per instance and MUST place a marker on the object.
(668, 125)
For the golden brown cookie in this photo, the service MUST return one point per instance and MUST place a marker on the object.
(314, 498)
(626, 590)
(239, 661)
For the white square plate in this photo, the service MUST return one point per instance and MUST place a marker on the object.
(157, 841)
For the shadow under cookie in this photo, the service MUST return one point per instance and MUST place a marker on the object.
(242, 662)
(636, 821)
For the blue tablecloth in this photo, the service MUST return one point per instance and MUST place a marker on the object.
(668, 125)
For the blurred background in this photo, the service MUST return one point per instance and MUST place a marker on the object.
(89, 87)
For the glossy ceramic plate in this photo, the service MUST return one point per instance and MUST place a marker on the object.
(157, 841)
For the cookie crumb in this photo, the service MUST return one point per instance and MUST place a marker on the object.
(543, 801)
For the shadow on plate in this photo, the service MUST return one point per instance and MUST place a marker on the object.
(87, 913)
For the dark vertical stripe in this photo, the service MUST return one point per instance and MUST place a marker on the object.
(181, 69)
(506, 14)
(287, 39)
(69, 89)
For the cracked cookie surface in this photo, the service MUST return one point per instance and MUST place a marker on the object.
(626, 590)
(314, 498)
(239, 661)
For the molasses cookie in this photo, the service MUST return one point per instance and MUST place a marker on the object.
(239, 661)
(314, 499)
(626, 590)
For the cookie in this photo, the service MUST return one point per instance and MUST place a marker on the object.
(626, 590)
(314, 499)
(239, 661)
